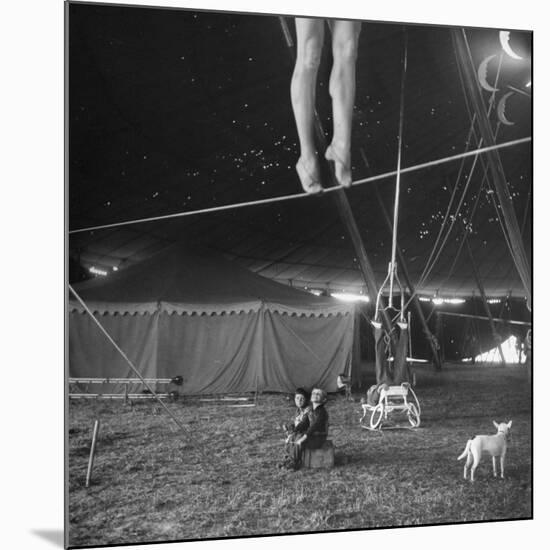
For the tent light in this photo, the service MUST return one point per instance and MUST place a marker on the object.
(349, 297)
(510, 349)
(454, 300)
(115, 268)
(96, 271)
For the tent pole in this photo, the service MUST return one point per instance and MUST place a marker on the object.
(439, 335)
(367, 271)
(497, 171)
(494, 332)
(410, 337)
(259, 364)
(92, 454)
(408, 282)
(344, 209)
(495, 319)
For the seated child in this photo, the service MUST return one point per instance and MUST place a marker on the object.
(301, 399)
(313, 428)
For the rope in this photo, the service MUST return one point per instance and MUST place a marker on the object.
(497, 128)
(138, 374)
(451, 201)
(497, 170)
(486, 167)
(461, 245)
(526, 211)
(465, 233)
(454, 218)
(371, 179)
(429, 267)
(398, 178)
(502, 226)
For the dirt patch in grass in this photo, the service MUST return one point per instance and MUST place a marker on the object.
(152, 482)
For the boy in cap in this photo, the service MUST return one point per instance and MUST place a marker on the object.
(314, 427)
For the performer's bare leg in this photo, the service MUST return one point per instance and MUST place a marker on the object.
(345, 38)
(309, 35)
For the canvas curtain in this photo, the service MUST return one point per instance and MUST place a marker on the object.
(213, 353)
(91, 355)
(305, 352)
(246, 352)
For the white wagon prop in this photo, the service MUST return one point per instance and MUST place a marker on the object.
(392, 399)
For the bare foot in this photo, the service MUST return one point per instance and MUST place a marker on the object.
(308, 172)
(342, 165)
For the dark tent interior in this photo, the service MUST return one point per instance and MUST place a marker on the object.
(174, 111)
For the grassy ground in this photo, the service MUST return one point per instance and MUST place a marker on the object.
(153, 483)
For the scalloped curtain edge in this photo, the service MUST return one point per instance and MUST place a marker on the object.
(173, 309)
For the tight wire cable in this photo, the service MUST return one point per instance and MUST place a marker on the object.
(385, 175)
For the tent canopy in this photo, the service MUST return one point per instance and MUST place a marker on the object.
(190, 280)
(223, 328)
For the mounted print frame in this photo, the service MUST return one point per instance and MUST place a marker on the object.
(265, 207)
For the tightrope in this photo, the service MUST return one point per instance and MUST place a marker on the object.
(370, 179)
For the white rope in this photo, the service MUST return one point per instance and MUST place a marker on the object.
(371, 179)
(135, 370)
(454, 218)
(398, 178)
(439, 246)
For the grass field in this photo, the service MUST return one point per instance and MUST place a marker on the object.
(151, 482)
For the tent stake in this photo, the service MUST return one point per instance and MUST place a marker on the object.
(92, 453)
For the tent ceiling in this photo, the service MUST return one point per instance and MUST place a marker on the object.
(185, 280)
(176, 110)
